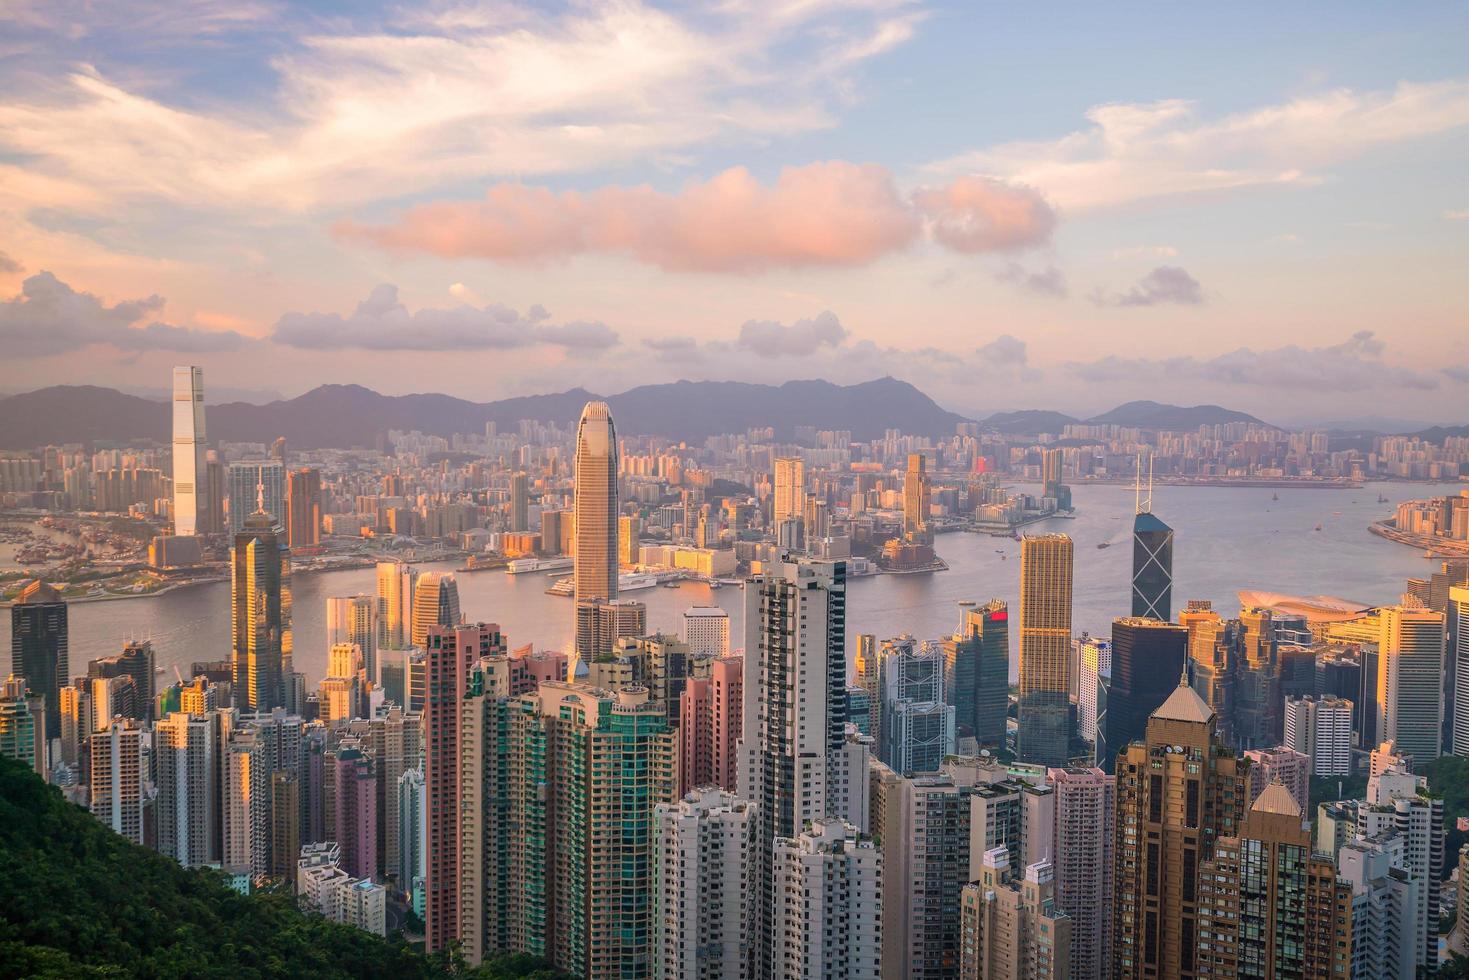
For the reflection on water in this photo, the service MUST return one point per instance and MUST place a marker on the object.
(1226, 539)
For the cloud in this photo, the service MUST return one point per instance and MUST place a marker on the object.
(1352, 365)
(1137, 151)
(771, 339)
(675, 350)
(980, 214)
(1165, 284)
(7, 264)
(1048, 281)
(1457, 373)
(354, 111)
(50, 317)
(382, 322)
(1461, 215)
(1006, 356)
(1145, 251)
(832, 213)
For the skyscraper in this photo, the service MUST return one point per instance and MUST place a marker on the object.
(1410, 667)
(185, 758)
(191, 503)
(702, 848)
(303, 507)
(395, 586)
(256, 485)
(827, 912)
(1045, 645)
(519, 516)
(790, 489)
(1257, 699)
(1211, 654)
(353, 619)
(22, 726)
(435, 603)
(917, 729)
(595, 505)
(260, 614)
(1152, 557)
(38, 646)
(1147, 659)
(1178, 792)
(916, 500)
(1086, 801)
(977, 672)
(1458, 649)
(119, 777)
(1268, 907)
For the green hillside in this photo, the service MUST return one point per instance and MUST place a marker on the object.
(80, 901)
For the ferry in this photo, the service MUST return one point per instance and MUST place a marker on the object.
(630, 582)
(521, 566)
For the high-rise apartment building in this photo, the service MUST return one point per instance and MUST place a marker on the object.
(119, 773)
(1410, 673)
(1044, 735)
(191, 501)
(1399, 802)
(256, 485)
(38, 646)
(594, 572)
(435, 603)
(710, 716)
(917, 728)
(519, 516)
(828, 913)
(135, 662)
(245, 806)
(702, 848)
(285, 824)
(1457, 623)
(1269, 907)
(1086, 801)
(601, 623)
(185, 758)
(356, 818)
(1321, 728)
(396, 583)
(977, 672)
(1386, 901)
(1147, 659)
(303, 507)
(22, 726)
(1178, 792)
(1092, 667)
(260, 614)
(1011, 927)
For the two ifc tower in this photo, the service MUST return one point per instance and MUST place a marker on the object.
(1152, 555)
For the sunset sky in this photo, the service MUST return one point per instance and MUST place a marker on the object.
(1010, 205)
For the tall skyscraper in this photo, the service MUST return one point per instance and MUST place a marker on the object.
(185, 758)
(1177, 793)
(435, 603)
(916, 500)
(260, 614)
(1257, 699)
(790, 489)
(1152, 557)
(519, 516)
(353, 619)
(303, 507)
(1045, 646)
(1410, 668)
(120, 777)
(1086, 801)
(594, 574)
(1147, 658)
(917, 729)
(135, 663)
(38, 646)
(977, 672)
(396, 583)
(191, 502)
(1211, 654)
(791, 753)
(256, 485)
(1268, 906)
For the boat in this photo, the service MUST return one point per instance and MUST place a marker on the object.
(634, 581)
(1275, 496)
(1382, 498)
(1317, 527)
(521, 566)
(1104, 544)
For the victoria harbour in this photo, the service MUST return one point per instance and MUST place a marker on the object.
(1228, 539)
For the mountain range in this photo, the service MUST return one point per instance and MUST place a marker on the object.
(344, 416)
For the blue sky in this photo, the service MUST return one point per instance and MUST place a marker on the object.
(1011, 205)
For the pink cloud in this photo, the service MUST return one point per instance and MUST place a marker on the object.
(824, 214)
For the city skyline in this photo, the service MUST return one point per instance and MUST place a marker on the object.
(1160, 232)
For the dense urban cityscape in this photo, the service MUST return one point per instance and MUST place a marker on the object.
(785, 800)
(733, 490)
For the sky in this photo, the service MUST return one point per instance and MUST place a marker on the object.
(1012, 206)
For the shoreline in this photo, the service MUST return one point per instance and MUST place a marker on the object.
(1440, 547)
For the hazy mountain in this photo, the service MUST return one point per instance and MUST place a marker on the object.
(1438, 433)
(1173, 418)
(1028, 422)
(350, 415)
